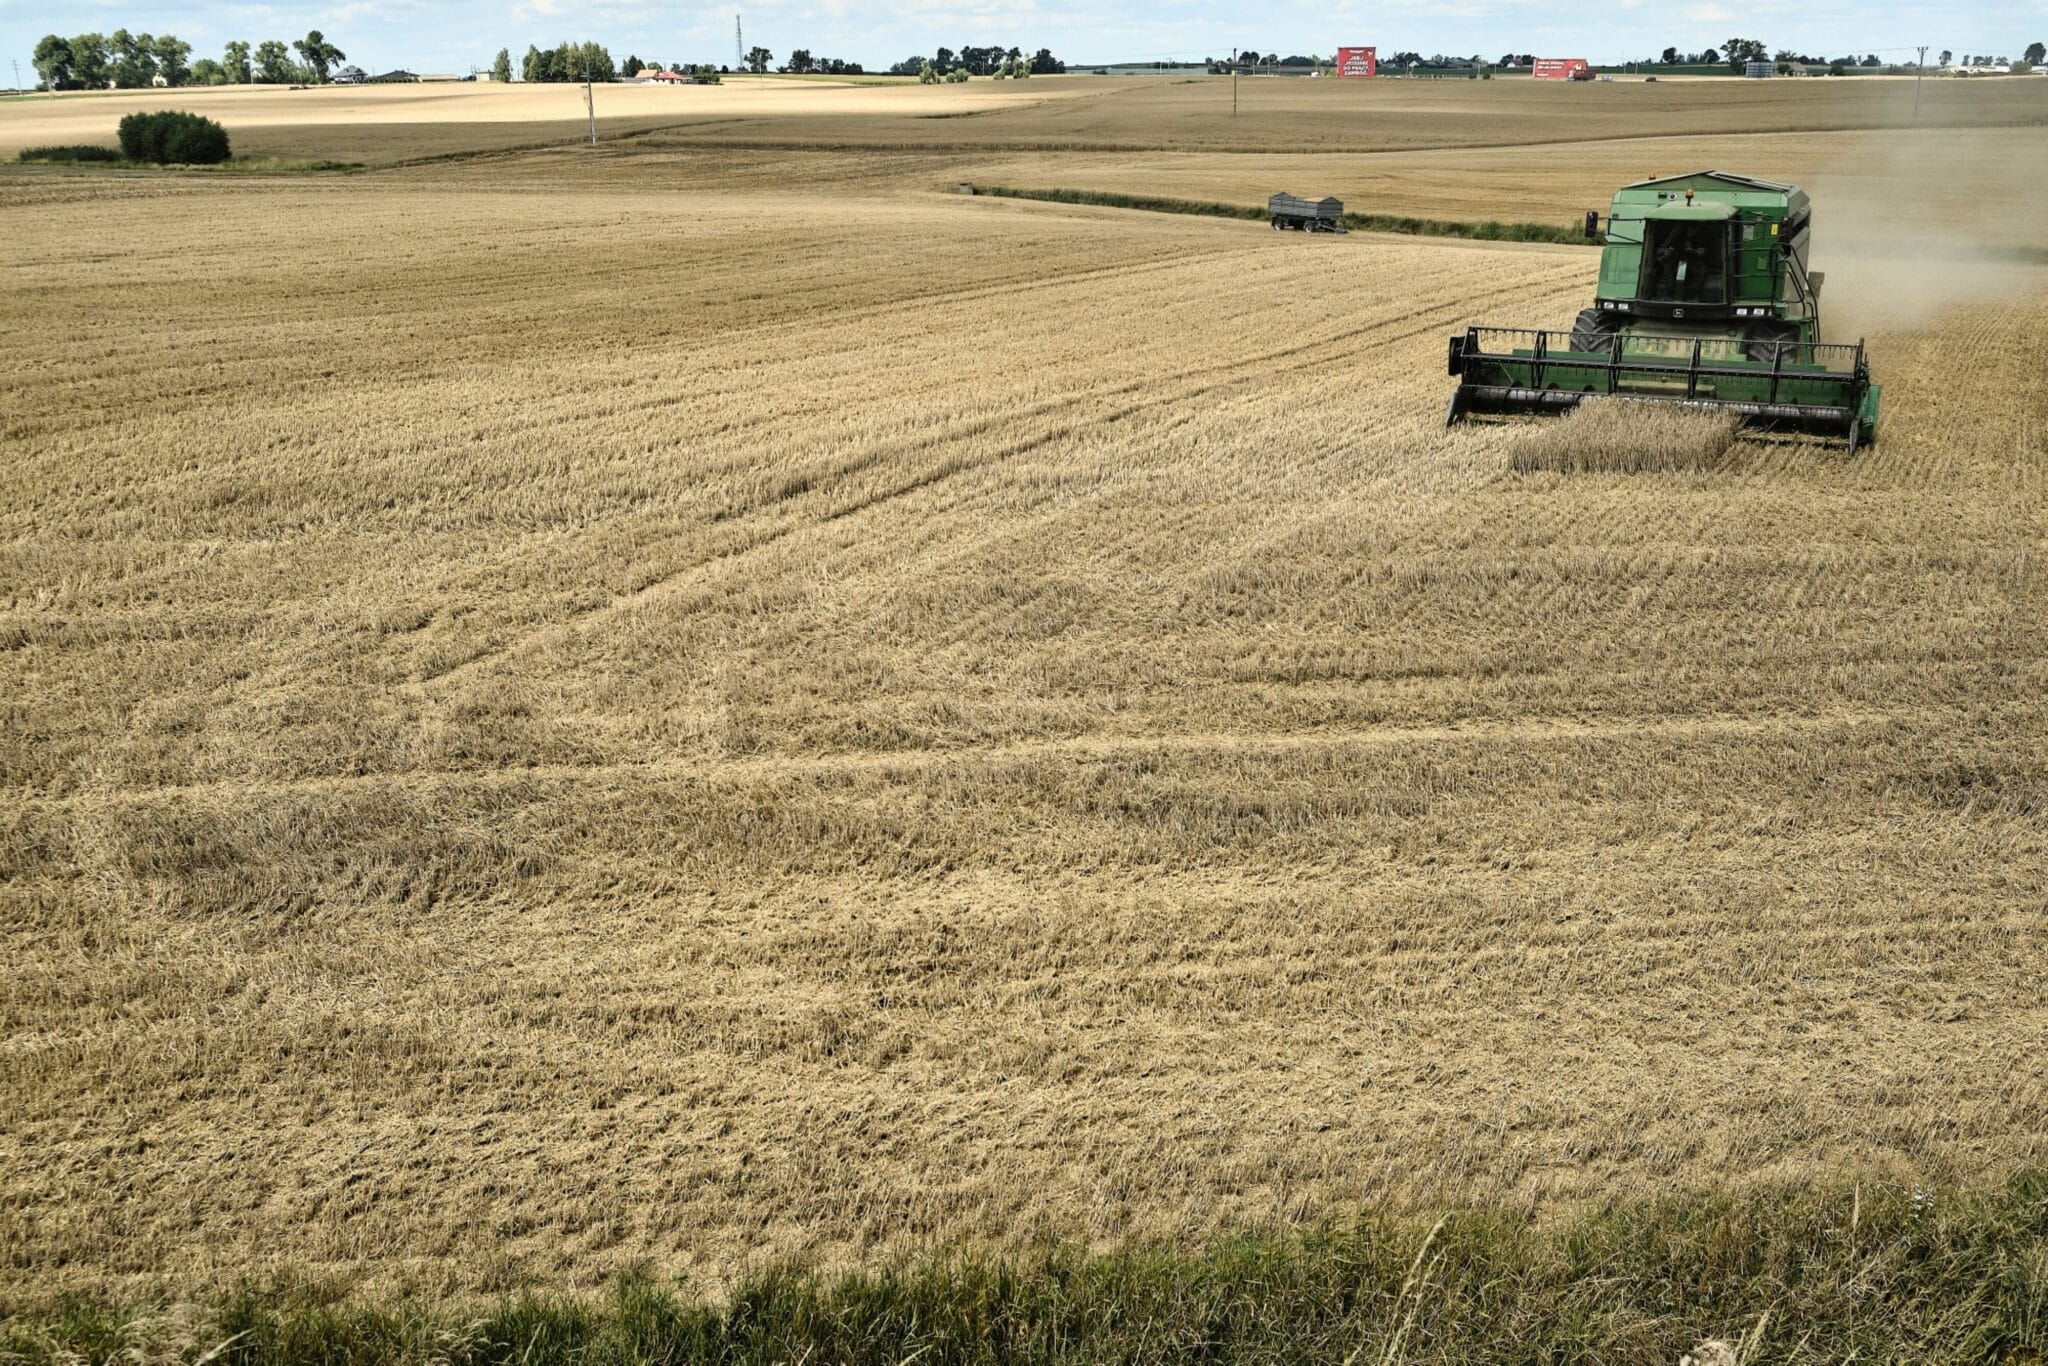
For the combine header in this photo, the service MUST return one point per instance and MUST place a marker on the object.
(1705, 301)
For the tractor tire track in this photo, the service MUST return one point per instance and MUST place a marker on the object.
(1177, 390)
(1080, 749)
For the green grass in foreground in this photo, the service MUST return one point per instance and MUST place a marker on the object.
(87, 154)
(1869, 1273)
(1364, 222)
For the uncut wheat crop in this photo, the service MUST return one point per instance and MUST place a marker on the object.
(570, 711)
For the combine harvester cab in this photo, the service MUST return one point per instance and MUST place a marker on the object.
(1704, 301)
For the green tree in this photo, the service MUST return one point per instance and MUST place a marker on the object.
(570, 63)
(593, 62)
(799, 61)
(172, 60)
(758, 59)
(501, 65)
(91, 62)
(533, 67)
(1043, 63)
(53, 62)
(234, 64)
(319, 54)
(927, 74)
(1740, 52)
(133, 59)
(2035, 54)
(207, 71)
(273, 63)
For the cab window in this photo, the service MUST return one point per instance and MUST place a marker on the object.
(1685, 263)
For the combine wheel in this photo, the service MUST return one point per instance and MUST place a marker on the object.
(1592, 330)
(1760, 342)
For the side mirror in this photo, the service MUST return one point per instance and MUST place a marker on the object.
(1592, 222)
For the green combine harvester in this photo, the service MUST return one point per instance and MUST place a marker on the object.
(1704, 301)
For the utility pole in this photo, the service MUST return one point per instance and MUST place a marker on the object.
(1919, 75)
(589, 100)
(1233, 82)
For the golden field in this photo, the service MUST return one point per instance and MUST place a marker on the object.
(705, 701)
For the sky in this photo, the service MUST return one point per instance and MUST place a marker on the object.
(456, 35)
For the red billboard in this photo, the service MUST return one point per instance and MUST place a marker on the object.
(1356, 61)
(1560, 68)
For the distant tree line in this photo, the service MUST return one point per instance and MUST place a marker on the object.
(1736, 54)
(135, 61)
(575, 62)
(634, 66)
(980, 61)
(1252, 60)
(802, 63)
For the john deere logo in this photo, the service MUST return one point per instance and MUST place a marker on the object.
(1678, 313)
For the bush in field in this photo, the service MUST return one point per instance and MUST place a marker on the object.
(85, 152)
(169, 137)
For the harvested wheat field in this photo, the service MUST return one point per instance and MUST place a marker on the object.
(679, 709)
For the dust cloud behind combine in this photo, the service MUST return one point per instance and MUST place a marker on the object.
(660, 710)
(1913, 226)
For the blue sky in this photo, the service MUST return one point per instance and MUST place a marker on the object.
(457, 34)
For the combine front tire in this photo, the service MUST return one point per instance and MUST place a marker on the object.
(1592, 330)
(1761, 342)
